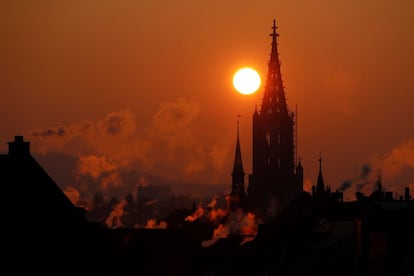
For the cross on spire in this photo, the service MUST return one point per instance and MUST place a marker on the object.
(274, 34)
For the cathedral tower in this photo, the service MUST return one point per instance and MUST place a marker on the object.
(274, 180)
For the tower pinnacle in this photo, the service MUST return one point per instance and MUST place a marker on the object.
(238, 163)
(320, 185)
(274, 96)
(238, 197)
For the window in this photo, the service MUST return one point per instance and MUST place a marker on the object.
(278, 138)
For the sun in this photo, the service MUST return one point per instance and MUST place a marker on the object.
(246, 81)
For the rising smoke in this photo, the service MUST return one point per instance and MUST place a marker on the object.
(111, 149)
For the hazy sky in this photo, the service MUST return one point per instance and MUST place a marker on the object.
(102, 87)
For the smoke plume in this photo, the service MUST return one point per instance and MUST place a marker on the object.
(116, 145)
(114, 220)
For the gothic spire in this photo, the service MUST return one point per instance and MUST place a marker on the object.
(238, 163)
(320, 185)
(274, 96)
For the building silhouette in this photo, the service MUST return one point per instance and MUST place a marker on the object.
(238, 197)
(275, 178)
(43, 230)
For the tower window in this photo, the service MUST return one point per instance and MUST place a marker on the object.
(268, 160)
(278, 162)
(269, 111)
(278, 138)
(270, 99)
(268, 138)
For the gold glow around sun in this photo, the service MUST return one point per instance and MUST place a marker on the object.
(246, 81)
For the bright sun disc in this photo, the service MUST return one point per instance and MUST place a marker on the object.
(246, 81)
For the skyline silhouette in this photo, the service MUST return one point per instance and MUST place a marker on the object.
(105, 89)
(123, 203)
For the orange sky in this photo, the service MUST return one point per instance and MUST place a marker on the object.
(147, 85)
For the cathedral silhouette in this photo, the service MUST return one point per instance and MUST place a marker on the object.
(277, 176)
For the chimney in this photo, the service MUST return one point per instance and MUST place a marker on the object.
(19, 147)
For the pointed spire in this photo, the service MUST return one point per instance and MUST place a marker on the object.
(274, 96)
(238, 163)
(299, 166)
(320, 185)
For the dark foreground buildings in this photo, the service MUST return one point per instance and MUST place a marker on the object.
(303, 234)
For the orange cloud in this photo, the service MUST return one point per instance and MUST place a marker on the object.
(167, 146)
(114, 219)
(72, 194)
(396, 161)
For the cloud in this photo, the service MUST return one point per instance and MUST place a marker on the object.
(114, 219)
(152, 224)
(396, 167)
(307, 185)
(58, 131)
(95, 166)
(396, 161)
(72, 193)
(168, 146)
(345, 185)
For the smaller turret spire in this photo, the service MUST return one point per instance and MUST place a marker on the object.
(320, 185)
(238, 197)
(238, 163)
